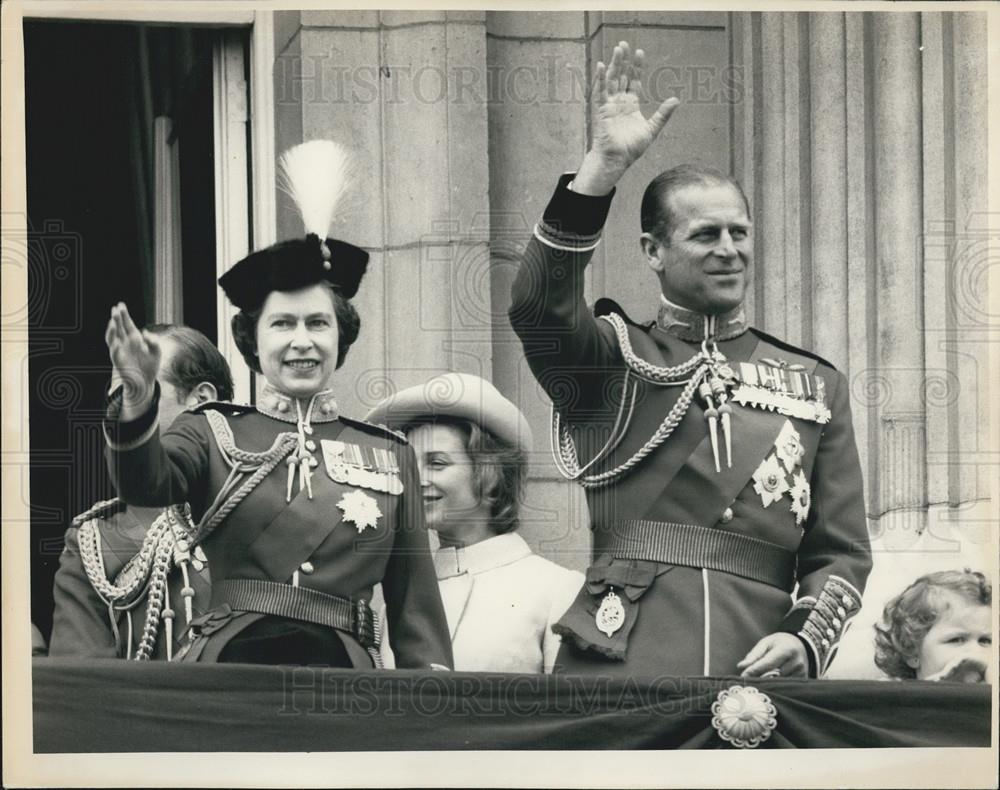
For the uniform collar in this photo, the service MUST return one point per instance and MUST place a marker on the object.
(483, 556)
(695, 327)
(274, 403)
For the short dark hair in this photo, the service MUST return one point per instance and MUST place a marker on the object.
(348, 326)
(197, 360)
(910, 615)
(499, 469)
(656, 214)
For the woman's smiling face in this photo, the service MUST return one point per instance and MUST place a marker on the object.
(297, 339)
(452, 504)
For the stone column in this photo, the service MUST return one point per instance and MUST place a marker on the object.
(406, 92)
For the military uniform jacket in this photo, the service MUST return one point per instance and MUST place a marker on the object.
(83, 625)
(341, 541)
(703, 562)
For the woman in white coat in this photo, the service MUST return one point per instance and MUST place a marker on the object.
(500, 598)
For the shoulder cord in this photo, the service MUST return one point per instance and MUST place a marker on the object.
(154, 605)
(170, 538)
(564, 448)
(177, 549)
(654, 374)
(142, 578)
(566, 460)
(127, 587)
(99, 510)
(241, 461)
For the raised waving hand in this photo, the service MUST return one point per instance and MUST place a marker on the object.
(621, 132)
(135, 357)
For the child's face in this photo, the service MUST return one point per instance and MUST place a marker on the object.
(962, 630)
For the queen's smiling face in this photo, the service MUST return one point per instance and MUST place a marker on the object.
(297, 337)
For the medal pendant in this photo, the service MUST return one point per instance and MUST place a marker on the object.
(610, 615)
(355, 477)
(333, 460)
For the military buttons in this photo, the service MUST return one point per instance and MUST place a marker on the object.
(313, 463)
(842, 612)
(727, 515)
(307, 568)
(326, 408)
(310, 445)
(826, 643)
(831, 633)
(309, 431)
(837, 624)
(847, 601)
(282, 406)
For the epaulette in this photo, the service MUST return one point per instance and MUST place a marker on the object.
(226, 407)
(604, 306)
(789, 347)
(103, 509)
(380, 429)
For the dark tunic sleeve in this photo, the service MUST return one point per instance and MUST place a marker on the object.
(418, 630)
(834, 558)
(153, 471)
(568, 350)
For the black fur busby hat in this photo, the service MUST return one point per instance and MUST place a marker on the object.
(315, 175)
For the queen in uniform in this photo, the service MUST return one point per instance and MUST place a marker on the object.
(300, 510)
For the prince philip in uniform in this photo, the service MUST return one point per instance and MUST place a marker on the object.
(719, 463)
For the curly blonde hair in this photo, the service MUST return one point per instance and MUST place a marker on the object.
(908, 617)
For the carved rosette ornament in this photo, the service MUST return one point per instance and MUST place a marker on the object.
(744, 716)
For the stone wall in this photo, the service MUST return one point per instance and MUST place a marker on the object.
(860, 139)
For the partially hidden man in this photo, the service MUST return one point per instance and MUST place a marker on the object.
(126, 585)
(719, 463)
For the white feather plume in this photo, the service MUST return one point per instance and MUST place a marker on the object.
(315, 175)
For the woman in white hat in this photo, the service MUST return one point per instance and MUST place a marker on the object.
(300, 510)
(500, 598)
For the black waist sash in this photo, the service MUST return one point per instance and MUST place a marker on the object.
(300, 603)
(703, 547)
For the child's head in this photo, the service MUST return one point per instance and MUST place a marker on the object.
(938, 618)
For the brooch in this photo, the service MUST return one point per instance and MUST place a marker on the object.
(360, 508)
(744, 716)
(801, 497)
(610, 615)
(769, 480)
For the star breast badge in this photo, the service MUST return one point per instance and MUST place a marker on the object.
(360, 508)
(769, 480)
(801, 497)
